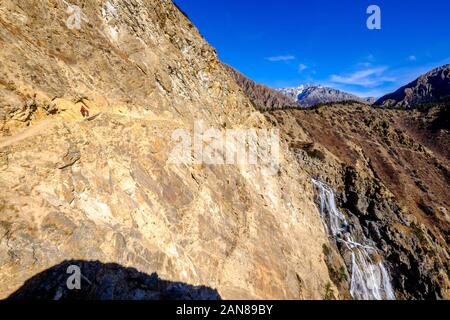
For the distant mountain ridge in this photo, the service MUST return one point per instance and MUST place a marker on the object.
(430, 87)
(310, 95)
(304, 96)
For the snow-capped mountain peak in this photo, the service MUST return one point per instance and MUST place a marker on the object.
(308, 95)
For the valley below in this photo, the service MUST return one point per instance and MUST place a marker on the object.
(390, 174)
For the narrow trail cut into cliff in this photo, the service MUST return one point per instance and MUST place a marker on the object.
(27, 133)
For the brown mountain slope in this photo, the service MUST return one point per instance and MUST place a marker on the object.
(263, 97)
(392, 171)
(430, 87)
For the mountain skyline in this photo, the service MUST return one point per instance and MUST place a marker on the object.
(428, 88)
(309, 43)
(309, 95)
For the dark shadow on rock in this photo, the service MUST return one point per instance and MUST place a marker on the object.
(110, 281)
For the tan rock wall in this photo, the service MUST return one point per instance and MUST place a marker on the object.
(102, 189)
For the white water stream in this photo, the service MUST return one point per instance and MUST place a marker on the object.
(369, 277)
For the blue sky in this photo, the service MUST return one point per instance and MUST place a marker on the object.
(286, 43)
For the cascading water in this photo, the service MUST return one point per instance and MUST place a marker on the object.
(369, 277)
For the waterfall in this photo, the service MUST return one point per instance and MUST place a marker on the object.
(369, 277)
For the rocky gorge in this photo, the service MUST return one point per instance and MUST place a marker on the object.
(99, 191)
(390, 181)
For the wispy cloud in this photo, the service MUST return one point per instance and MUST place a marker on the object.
(367, 61)
(302, 67)
(284, 58)
(375, 93)
(412, 58)
(365, 64)
(367, 79)
(370, 77)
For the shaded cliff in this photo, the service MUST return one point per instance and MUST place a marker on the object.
(110, 281)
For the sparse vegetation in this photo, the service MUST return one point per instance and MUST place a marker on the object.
(326, 251)
(338, 276)
(418, 232)
(329, 292)
(316, 154)
(342, 274)
(329, 104)
(444, 103)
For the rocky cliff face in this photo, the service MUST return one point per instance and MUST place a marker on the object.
(428, 88)
(102, 189)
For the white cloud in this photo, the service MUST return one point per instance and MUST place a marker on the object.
(365, 64)
(285, 58)
(412, 58)
(302, 67)
(377, 81)
(370, 77)
(367, 61)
